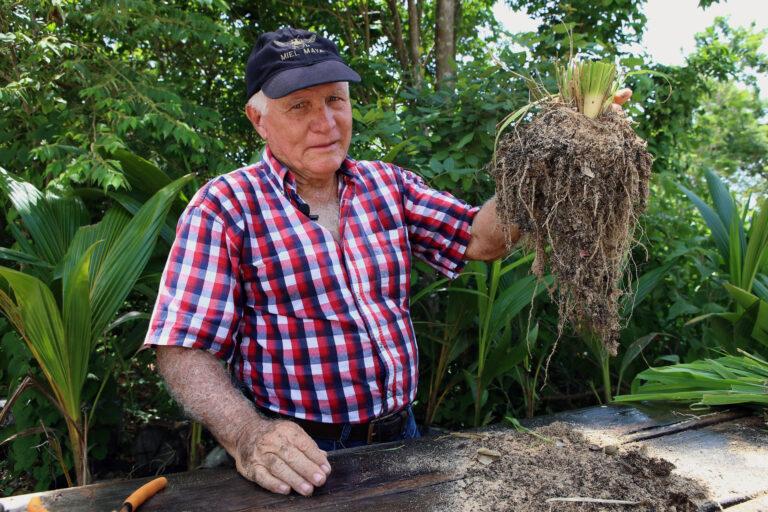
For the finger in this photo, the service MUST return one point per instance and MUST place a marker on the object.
(301, 464)
(261, 475)
(622, 96)
(616, 108)
(309, 447)
(282, 471)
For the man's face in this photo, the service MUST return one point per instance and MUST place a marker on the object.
(309, 130)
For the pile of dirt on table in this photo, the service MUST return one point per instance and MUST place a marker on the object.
(575, 187)
(519, 472)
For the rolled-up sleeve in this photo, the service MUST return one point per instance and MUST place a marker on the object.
(439, 224)
(199, 291)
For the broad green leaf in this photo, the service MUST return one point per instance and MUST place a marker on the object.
(76, 317)
(22, 258)
(681, 307)
(528, 258)
(713, 221)
(51, 222)
(644, 285)
(760, 287)
(503, 358)
(757, 246)
(465, 140)
(130, 252)
(43, 330)
(723, 202)
(167, 232)
(104, 233)
(395, 150)
(141, 174)
(742, 297)
(722, 381)
(735, 253)
(512, 300)
(634, 350)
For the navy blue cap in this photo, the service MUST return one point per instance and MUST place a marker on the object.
(290, 59)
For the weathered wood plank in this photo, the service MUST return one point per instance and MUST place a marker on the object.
(731, 458)
(756, 504)
(613, 420)
(726, 451)
(361, 475)
(616, 424)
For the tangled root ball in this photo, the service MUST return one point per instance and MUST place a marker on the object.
(576, 186)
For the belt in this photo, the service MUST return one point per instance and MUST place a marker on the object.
(383, 429)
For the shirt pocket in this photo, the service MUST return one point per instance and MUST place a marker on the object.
(291, 283)
(386, 265)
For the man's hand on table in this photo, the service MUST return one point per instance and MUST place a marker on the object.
(276, 454)
(279, 456)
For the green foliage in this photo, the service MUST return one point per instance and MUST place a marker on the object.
(482, 310)
(609, 23)
(728, 134)
(96, 266)
(751, 317)
(744, 251)
(28, 454)
(723, 55)
(87, 85)
(84, 79)
(726, 380)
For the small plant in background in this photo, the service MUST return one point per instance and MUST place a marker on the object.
(730, 379)
(499, 301)
(641, 288)
(726, 380)
(744, 252)
(77, 277)
(483, 304)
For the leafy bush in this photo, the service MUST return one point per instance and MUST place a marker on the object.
(80, 276)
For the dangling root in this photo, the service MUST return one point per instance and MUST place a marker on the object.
(577, 186)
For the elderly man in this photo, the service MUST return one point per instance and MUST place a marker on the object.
(295, 271)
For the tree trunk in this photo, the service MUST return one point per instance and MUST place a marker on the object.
(397, 37)
(366, 26)
(445, 43)
(414, 39)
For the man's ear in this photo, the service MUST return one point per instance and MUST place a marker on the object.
(256, 118)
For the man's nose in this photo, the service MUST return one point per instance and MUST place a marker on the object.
(323, 120)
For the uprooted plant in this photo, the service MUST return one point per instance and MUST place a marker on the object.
(574, 180)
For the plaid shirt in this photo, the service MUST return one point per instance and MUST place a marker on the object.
(315, 329)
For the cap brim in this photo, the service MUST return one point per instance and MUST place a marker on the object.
(291, 80)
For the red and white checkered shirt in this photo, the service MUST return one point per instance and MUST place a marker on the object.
(315, 329)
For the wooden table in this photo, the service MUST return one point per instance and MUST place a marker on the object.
(727, 451)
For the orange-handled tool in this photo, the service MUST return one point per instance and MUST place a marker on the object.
(36, 505)
(143, 493)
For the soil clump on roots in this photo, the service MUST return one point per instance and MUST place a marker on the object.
(576, 185)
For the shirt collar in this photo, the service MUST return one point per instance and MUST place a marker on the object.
(285, 177)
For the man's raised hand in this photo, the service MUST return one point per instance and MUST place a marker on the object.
(279, 456)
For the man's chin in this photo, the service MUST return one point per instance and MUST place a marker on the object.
(327, 164)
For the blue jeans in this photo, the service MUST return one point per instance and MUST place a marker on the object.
(411, 432)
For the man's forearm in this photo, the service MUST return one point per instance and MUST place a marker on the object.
(200, 383)
(276, 454)
(489, 240)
